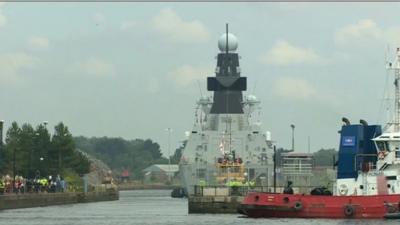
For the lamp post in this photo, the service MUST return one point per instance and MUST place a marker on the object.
(292, 126)
(40, 165)
(274, 168)
(169, 130)
(13, 183)
(1, 144)
(60, 156)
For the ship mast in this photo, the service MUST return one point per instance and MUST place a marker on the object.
(396, 67)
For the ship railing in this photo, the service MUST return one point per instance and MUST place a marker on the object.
(218, 190)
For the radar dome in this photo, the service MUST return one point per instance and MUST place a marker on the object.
(232, 43)
(252, 98)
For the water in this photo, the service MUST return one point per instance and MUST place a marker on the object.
(147, 207)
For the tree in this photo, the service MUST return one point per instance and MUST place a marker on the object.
(120, 154)
(25, 150)
(325, 157)
(12, 146)
(42, 145)
(80, 163)
(62, 147)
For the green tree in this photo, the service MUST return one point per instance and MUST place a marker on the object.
(325, 157)
(120, 154)
(42, 145)
(62, 147)
(79, 162)
(12, 146)
(25, 150)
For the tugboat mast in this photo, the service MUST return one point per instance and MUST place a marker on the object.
(397, 91)
(396, 68)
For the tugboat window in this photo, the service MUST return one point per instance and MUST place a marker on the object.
(382, 146)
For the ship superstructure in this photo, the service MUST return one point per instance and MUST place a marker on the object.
(225, 129)
(368, 176)
(369, 159)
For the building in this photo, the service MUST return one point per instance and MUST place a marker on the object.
(297, 167)
(125, 176)
(160, 172)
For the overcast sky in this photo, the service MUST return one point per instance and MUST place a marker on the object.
(132, 69)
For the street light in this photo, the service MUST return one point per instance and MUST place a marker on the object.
(1, 131)
(292, 126)
(1, 144)
(13, 170)
(40, 167)
(169, 130)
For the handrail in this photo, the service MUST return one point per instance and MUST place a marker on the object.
(243, 190)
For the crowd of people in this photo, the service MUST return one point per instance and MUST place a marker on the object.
(50, 184)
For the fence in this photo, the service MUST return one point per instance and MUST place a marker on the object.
(243, 190)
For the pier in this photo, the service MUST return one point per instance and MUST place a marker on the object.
(28, 200)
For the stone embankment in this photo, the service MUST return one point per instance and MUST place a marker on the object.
(214, 204)
(134, 186)
(16, 201)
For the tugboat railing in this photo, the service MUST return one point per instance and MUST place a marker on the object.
(218, 190)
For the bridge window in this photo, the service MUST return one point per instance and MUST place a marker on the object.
(382, 146)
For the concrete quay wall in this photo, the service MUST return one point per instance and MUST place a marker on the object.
(214, 204)
(16, 201)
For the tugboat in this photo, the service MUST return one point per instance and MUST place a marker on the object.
(368, 176)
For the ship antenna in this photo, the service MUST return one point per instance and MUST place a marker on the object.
(198, 84)
(397, 90)
(384, 104)
(227, 102)
(396, 67)
(226, 44)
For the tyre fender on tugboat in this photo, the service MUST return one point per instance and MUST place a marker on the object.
(298, 205)
(349, 210)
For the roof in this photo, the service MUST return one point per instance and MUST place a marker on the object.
(388, 136)
(162, 168)
(297, 154)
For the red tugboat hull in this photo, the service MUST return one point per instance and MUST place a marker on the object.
(258, 204)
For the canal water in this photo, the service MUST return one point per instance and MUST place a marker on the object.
(147, 207)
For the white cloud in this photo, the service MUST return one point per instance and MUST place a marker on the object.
(12, 63)
(3, 18)
(294, 88)
(283, 54)
(38, 43)
(93, 67)
(175, 29)
(364, 30)
(126, 25)
(392, 36)
(186, 75)
(98, 67)
(99, 18)
(153, 85)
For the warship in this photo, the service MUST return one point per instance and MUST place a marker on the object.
(227, 142)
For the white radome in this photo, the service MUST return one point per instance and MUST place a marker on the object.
(232, 43)
(252, 98)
